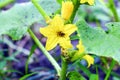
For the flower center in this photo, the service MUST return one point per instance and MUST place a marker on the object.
(60, 34)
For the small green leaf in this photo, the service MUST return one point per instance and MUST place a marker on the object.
(97, 41)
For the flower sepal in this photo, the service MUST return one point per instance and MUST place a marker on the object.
(68, 54)
(77, 56)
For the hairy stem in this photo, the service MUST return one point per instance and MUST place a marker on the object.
(64, 69)
(27, 62)
(4, 3)
(109, 71)
(40, 9)
(76, 6)
(46, 53)
(113, 9)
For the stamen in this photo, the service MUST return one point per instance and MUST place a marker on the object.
(60, 34)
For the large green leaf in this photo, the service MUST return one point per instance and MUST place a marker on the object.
(16, 20)
(99, 42)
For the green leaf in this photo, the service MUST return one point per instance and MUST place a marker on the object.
(94, 77)
(74, 75)
(83, 68)
(20, 17)
(97, 41)
(99, 12)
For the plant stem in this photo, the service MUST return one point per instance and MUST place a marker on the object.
(76, 6)
(84, 69)
(27, 62)
(4, 3)
(109, 71)
(64, 69)
(113, 9)
(105, 71)
(46, 53)
(40, 9)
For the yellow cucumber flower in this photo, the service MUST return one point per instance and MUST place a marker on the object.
(67, 9)
(58, 33)
(89, 59)
(90, 2)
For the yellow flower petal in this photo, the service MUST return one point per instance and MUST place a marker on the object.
(51, 43)
(57, 22)
(67, 9)
(83, 1)
(69, 29)
(81, 47)
(47, 31)
(90, 2)
(65, 43)
(89, 59)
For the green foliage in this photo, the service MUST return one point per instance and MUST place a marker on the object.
(94, 77)
(99, 42)
(20, 17)
(5, 66)
(73, 75)
(31, 52)
(79, 66)
(98, 12)
(106, 72)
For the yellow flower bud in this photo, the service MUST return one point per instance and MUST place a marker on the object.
(67, 9)
(81, 47)
(80, 52)
(89, 59)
